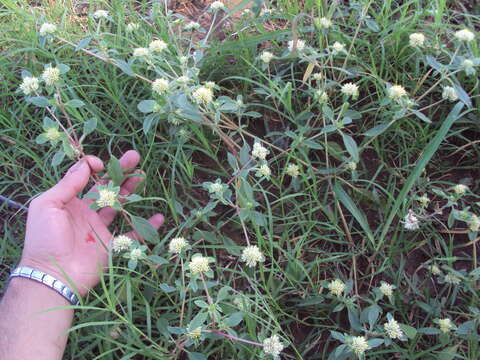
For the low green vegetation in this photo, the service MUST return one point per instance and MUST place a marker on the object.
(317, 164)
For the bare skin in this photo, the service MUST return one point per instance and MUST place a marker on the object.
(69, 241)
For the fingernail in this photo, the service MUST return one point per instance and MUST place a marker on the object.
(77, 166)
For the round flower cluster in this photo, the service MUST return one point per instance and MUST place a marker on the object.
(266, 57)
(293, 170)
(136, 254)
(47, 29)
(424, 200)
(259, 151)
(160, 86)
(460, 189)
(386, 289)
(198, 264)
(264, 170)
(216, 188)
(358, 344)
(191, 26)
(352, 165)
(417, 40)
(464, 35)
(252, 255)
(203, 95)
(132, 27)
(157, 46)
(396, 92)
(183, 80)
(350, 89)
(317, 76)
(300, 45)
(452, 279)
(100, 14)
(324, 23)
(321, 96)
(449, 93)
(411, 221)
(177, 245)
(337, 287)
(29, 85)
(338, 48)
(446, 325)
(217, 5)
(141, 52)
(474, 223)
(392, 328)
(434, 269)
(53, 134)
(106, 198)
(121, 243)
(273, 346)
(51, 75)
(195, 333)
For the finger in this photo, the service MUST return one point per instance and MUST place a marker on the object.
(129, 160)
(156, 221)
(128, 187)
(74, 180)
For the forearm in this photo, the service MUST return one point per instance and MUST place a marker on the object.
(26, 330)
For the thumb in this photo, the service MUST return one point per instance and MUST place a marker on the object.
(74, 180)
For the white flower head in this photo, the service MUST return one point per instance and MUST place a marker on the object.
(252, 255)
(411, 221)
(358, 344)
(157, 46)
(460, 189)
(106, 198)
(324, 23)
(266, 57)
(424, 200)
(300, 45)
(350, 89)
(216, 188)
(469, 66)
(203, 95)
(259, 151)
(53, 134)
(446, 325)
(100, 14)
(191, 26)
(317, 76)
(464, 35)
(449, 93)
(264, 170)
(136, 254)
(452, 279)
(47, 29)
(210, 85)
(51, 75)
(29, 85)
(160, 86)
(121, 243)
(338, 48)
(393, 330)
(177, 245)
(474, 223)
(396, 92)
(434, 269)
(321, 95)
(132, 27)
(141, 52)
(386, 289)
(183, 59)
(337, 287)
(352, 165)
(417, 40)
(217, 5)
(293, 170)
(195, 333)
(273, 346)
(198, 264)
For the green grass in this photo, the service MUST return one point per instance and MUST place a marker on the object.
(327, 223)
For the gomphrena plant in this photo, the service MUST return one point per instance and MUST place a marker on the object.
(314, 79)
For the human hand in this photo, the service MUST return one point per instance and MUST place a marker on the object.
(65, 236)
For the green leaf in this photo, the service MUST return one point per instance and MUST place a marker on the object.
(115, 171)
(196, 356)
(462, 95)
(40, 101)
(337, 336)
(58, 158)
(124, 66)
(351, 146)
(429, 331)
(167, 288)
(149, 121)
(89, 126)
(434, 63)
(346, 200)
(373, 343)
(144, 229)
(201, 304)
(425, 157)
(409, 331)
(376, 130)
(75, 103)
(63, 68)
(198, 320)
(147, 106)
(41, 139)
(234, 319)
(83, 43)
(188, 110)
(158, 259)
(421, 116)
(449, 353)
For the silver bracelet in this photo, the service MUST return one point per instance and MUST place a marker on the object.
(47, 280)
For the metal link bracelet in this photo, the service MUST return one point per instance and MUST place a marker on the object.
(47, 280)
